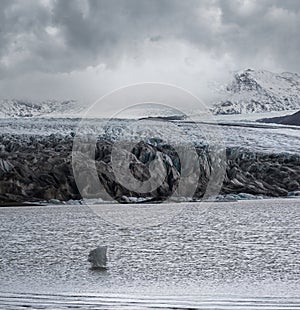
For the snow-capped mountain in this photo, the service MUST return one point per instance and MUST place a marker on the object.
(260, 91)
(23, 108)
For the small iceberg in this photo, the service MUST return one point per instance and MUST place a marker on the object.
(98, 258)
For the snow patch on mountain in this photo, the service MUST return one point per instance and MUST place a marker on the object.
(260, 91)
(15, 108)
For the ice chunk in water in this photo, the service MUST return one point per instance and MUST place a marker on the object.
(98, 257)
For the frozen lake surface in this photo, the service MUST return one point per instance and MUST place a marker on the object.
(211, 255)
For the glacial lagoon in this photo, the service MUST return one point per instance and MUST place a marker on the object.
(210, 255)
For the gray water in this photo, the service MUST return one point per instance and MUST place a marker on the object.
(222, 255)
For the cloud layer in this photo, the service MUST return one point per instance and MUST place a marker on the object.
(114, 42)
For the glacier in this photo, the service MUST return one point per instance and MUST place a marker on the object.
(36, 155)
(262, 159)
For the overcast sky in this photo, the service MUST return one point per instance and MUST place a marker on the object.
(82, 49)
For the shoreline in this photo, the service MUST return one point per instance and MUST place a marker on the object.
(143, 204)
(20, 204)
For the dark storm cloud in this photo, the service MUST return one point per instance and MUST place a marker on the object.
(263, 29)
(63, 35)
(109, 30)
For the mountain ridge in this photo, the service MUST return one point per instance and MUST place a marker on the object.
(257, 91)
(16, 108)
(293, 119)
(250, 91)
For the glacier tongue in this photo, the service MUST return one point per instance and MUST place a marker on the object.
(260, 91)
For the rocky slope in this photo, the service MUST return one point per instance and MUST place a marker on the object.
(260, 91)
(293, 119)
(35, 168)
(14, 108)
